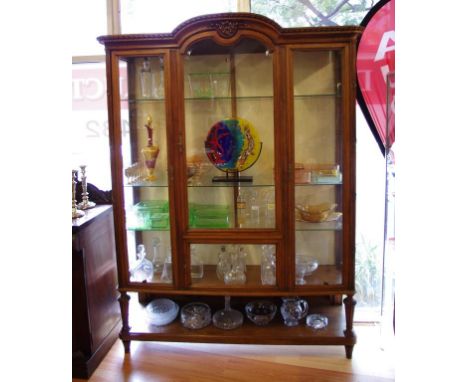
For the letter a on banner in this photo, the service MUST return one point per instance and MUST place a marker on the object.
(375, 67)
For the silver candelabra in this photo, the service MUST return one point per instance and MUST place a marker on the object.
(75, 212)
(85, 202)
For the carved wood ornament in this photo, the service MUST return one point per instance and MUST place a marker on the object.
(227, 28)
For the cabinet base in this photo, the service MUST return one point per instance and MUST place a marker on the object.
(84, 367)
(275, 333)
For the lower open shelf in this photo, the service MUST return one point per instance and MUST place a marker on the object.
(274, 333)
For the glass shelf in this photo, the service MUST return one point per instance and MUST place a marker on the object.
(299, 96)
(205, 180)
(142, 100)
(248, 98)
(324, 226)
(161, 180)
(259, 97)
(147, 229)
(318, 184)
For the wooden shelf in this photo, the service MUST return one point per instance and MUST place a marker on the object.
(324, 275)
(274, 333)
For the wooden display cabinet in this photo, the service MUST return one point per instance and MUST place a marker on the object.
(289, 95)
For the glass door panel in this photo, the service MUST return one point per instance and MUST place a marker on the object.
(318, 166)
(229, 122)
(232, 265)
(144, 155)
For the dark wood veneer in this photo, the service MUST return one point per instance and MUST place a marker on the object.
(95, 311)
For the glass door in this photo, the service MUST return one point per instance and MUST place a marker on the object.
(229, 126)
(144, 168)
(318, 171)
(230, 156)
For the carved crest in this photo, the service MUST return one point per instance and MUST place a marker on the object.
(227, 28)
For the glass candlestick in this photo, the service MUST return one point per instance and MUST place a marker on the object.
(85, 202)
(75, 213)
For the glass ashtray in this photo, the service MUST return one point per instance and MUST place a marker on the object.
(316, 321)
(162, 311)
(195, 315)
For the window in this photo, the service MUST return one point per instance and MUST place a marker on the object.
(148, 16)
(306, 13)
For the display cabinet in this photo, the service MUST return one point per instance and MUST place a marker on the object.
(233, 169)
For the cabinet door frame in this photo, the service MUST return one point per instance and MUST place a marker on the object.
(348, 163)
(115, 138)
(234, 235)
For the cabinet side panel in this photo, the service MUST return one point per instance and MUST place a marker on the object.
(101, 273)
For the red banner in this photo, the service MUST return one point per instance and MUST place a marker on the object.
(375, 72)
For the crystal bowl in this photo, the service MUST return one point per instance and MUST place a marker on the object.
(316, 321)
(260, 312)
(195, 315)
(162, 311)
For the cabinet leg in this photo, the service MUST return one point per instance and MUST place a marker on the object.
(349, 303)
(123, 301)
(349, 351)
(126, 344)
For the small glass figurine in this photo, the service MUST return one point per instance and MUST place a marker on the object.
(85, 202)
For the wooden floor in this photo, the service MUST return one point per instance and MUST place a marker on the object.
(174, 362)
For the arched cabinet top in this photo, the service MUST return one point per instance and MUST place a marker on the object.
(227, 29)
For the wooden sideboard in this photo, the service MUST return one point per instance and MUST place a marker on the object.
(96, 314)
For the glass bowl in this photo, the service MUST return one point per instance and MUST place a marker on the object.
(162, 311)
(316, 321)
(260, 312)
(195, 315)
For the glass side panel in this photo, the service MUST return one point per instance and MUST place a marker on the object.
(230, 135)
(318, 166)
(144, 155)
(233, 265)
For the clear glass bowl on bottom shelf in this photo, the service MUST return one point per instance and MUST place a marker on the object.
(260, 312)
(316, 321)
(195, 315)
